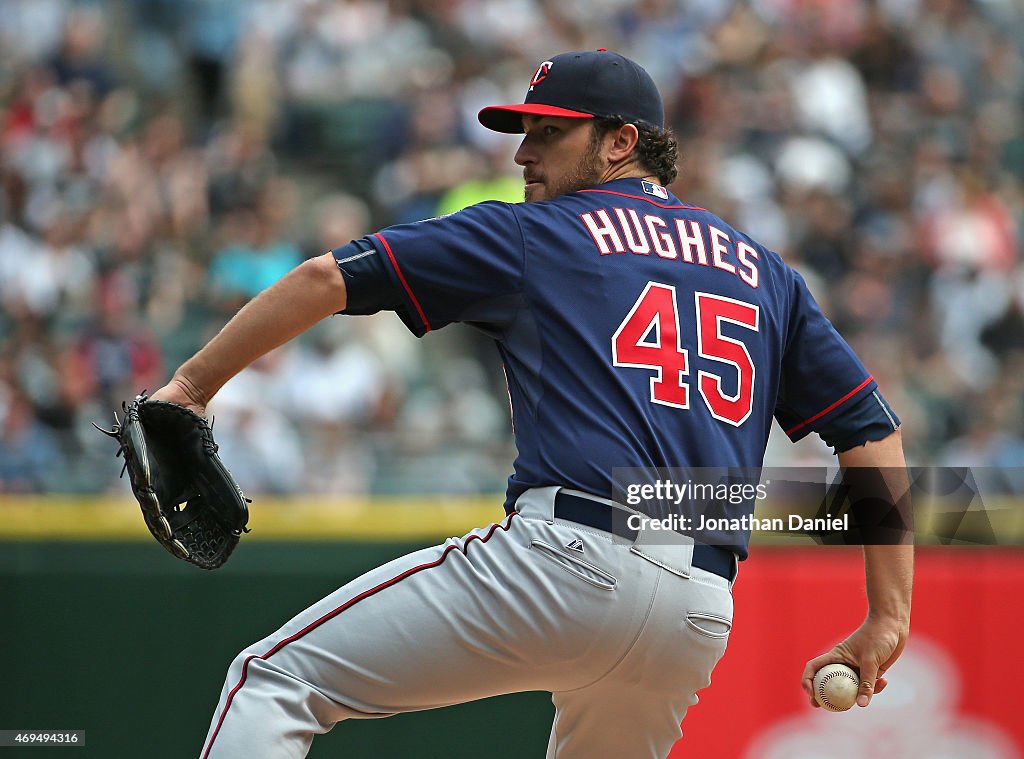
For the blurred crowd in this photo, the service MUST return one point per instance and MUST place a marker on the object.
(162, 161)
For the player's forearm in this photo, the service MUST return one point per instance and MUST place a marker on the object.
(889, 573)
(879, 471)
(300, 299)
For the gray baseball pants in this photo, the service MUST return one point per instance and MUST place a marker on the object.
(623, 636)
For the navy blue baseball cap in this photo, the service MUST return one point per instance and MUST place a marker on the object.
(583, 85)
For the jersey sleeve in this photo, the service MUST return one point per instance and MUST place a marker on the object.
(822, 377)
(464, 267)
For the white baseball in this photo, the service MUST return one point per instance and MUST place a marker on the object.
(835, 687)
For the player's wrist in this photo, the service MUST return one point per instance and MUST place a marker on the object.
(893, 616)
(181, 389)
(194, 392)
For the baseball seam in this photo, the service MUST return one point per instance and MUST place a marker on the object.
(822, 698)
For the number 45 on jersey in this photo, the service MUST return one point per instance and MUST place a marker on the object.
(650, 338)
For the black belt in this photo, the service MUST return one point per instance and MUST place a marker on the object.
(599, 515)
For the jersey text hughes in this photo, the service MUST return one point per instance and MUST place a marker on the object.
(621, 230)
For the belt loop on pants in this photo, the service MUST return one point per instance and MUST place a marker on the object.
(601, 515)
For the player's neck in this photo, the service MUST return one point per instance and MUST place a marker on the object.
(626, 171)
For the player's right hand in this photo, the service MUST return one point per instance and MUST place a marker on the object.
(870, 649)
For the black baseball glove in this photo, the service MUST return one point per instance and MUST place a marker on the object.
(189, 499)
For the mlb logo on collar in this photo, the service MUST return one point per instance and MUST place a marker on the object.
(655, 189)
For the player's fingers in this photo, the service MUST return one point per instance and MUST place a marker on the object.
(807, 679)
(868, 676)
(808, 686)
(811, 668)
(880, 684)
(832, 657)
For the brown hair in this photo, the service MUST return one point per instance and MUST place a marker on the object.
(656, 150)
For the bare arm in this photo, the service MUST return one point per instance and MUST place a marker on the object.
(308, 293)
(889, 569)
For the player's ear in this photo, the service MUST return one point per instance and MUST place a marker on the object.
(623, 141)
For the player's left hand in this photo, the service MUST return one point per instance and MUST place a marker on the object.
(870, 649)
(179, 391)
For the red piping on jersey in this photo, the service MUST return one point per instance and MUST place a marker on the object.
(348, 605)
(825, 410)
(641, 197)
(401, 278)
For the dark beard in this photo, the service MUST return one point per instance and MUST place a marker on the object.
(586, 173)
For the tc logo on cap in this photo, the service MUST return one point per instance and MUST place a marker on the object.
(541, 74)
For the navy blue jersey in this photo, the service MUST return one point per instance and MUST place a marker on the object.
(635, 331)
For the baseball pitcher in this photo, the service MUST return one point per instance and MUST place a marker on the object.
(635, 331)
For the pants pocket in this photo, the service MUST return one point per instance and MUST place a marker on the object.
(584, 570)
(709, 625)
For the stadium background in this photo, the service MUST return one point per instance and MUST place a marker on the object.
(161, 161)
